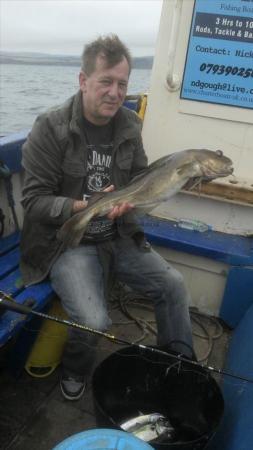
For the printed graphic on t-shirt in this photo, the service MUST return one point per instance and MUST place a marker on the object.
(98, 178)
(98, 169)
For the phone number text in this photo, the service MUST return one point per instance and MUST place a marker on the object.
(226, 70)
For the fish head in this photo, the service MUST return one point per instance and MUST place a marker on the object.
(213, 164)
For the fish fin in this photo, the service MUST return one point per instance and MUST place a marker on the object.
(154, 165)
(138, 177)
(192, 183)
(70, 233)
(159, 162)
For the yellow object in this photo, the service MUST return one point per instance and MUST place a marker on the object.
(144, 101)
(47, 350)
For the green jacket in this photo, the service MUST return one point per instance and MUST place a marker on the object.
(54, 159)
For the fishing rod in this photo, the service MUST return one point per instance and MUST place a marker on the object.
(8, 302)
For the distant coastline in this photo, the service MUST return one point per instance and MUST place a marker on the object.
(142, 62)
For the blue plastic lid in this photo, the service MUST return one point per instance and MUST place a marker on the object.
(103, 439)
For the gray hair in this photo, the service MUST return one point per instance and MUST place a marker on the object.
(109, 47)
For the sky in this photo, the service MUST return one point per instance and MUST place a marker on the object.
(64, 26)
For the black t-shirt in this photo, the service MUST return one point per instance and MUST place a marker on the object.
(99, 161)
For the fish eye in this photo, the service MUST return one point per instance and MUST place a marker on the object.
(219, 152)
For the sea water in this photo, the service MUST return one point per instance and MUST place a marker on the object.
(28, 90)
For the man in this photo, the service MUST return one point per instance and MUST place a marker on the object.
(92, 143)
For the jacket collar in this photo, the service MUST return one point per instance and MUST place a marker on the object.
(125, 127)
(77, 113)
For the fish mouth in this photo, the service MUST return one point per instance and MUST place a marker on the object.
(209, 173)
(227, 172)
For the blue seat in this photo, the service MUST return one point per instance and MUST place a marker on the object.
(13, 325)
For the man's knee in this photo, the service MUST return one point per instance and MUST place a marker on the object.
(99, 321)
(176, 277)
(169, 284)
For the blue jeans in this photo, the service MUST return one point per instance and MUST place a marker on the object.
(77, 278)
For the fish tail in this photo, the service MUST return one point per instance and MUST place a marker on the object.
(71, 232)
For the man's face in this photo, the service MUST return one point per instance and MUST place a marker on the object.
(104, 90)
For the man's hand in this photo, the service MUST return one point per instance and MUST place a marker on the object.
(117, 211)
(120, 209)
(79, 205)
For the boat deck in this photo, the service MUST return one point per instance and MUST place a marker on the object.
(33, 413)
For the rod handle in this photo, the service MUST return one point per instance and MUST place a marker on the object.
(13, 306)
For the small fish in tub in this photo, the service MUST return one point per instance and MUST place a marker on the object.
(150, 427)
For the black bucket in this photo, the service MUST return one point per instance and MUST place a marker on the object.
(134, 381)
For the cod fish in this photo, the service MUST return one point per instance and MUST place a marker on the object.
(149, 427)
(160, 181)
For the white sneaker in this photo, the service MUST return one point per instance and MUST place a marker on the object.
(72, 387)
